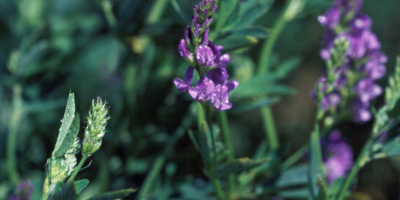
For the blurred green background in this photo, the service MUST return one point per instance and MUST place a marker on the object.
(126, 53)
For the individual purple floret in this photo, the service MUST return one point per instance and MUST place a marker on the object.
(184, 85)
(23, 191)
(337, 156)
(363, 57)
(213, 84)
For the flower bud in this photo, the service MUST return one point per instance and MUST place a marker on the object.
(96, 127)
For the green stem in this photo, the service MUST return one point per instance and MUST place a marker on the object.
(218, 189)
(160, 160)
(214, 149)
(156, 11)
(12, 136)
(269, 128)
(266, 113)
(226, 136)
(269, 44)
(360, 162)
(71, 178)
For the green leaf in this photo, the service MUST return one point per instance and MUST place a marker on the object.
(113, 195)
(283, 69)
(81, 184)
(65, 136)
(294, 176)
(335, 187)
(392, 148)
(257, 32)
(244, 107)
(67, 192)
(244, 92)
(227, 9)
(237, 42)
(250, 11)
(237, 165)
(315, 169)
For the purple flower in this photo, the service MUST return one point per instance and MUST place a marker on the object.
(338, 156)
(363, 57)
(330, 101)
(184, 51)
(220, 95)
(184, 85)
(23, 191)
(211, 64)
(218, 75)
(330, 19)
(203, 90)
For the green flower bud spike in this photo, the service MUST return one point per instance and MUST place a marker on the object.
(96, 128)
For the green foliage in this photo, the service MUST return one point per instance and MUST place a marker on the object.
(113, 195)
(236, 166)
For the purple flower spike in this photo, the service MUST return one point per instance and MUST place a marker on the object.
(331, 18)
(195, 20)
(330, 101)
(218, 75)
(338, 156)
(220, 98)
(184, 85)
(361, 22)
(203, 90)
(204, 40)
(205, 56)
(184, 51)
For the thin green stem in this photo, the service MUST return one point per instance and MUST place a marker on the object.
(360, 162)
(218, 189)
(214, 149)
(226, 136)
(269, 128)
(266, 113)
(269, 44)
(156, 11)
(71, 178)
(12, 135)
(294, 157)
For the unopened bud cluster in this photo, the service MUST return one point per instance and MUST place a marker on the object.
(96, 127)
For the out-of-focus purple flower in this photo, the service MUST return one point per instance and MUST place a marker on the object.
(330, 100)
(348, 6)
(184, 85)
(363, 57)
(331, 18)
(23, 191)
(337, 156)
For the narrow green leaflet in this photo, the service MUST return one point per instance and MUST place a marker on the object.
(392, 148)
(67, 192)
(257, 32)
(244, 107)
(283, 69)
(315, 169)
(260, 90)
(294, 176)
(81, 184)
(237, 42)
(113, 195)
(226, 9)
(250, 11)
(237, 165)
(65, 137)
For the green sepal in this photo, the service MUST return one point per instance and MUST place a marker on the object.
(81, 184)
